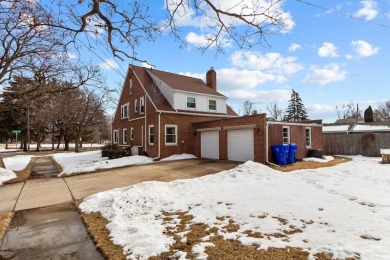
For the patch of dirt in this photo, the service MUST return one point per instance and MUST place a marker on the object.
(96, 226)
(5, 221)
(310, 165)
(23, 175)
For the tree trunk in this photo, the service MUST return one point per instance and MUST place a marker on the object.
(6, 144)
(25, 146)
(38, 145)
(76, 144)
(66, 142)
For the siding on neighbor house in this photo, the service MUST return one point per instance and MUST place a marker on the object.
(202, 102)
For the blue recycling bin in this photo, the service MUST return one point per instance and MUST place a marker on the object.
(280, 152)
(291, 154)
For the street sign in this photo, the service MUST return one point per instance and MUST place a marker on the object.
(16, 131)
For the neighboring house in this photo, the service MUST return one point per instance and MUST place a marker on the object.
(356, 138)
(164, 114)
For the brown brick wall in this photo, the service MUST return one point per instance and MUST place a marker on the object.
(297, 136)
(258, 131)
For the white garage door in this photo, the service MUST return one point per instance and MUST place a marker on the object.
(240, 145)
(210, 144)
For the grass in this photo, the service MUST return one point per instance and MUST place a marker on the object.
(5, 221)
(195, 233)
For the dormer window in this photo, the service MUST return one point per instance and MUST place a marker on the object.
(212, 104)
(130, 86)
(191, 102)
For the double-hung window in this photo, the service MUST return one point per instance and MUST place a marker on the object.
(125, 111)
(308, 137)
(130, 86)
(115, 136)
(191, 102)
(131, 134)
(141, 105)
(212, 104)
(124, 136)
(170, 134)
(135, 105)
(151, 134)
(286, 135)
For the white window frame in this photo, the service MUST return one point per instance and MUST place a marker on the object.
(124, 133)
(131, 134)
(115, 136)
(150, 133)
(215, 104)
(131, 86)
(125, 108)
(142, 105)
(308, 137)
(187, 97)
(171, 126)
(136, 106)
(287, 141)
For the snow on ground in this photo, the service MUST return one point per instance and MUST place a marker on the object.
(6, 175)
(18, 162)
(72, 163)
(343, 210)
(3, 150)
(182, 156)
(324, 160)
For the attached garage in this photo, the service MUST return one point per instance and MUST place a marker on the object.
(240, 145)
(210, 144)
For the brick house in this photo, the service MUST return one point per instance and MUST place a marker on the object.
(164, 114)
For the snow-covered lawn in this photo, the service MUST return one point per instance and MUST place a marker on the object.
(343, 210)
(6, 175)
(18, 162)
(73, 163)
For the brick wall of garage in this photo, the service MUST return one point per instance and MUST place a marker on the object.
(258, 131)
(297, 136)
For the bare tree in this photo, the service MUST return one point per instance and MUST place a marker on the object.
(382, 113)
(275, 112)
(248, 108)
(244, 23)
(350, 110)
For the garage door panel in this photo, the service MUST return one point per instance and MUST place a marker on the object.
(241, 145)
(210, 144)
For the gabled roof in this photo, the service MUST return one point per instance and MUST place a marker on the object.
(174, 80)
(184, 83)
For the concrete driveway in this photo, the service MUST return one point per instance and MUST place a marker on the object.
(46, 192)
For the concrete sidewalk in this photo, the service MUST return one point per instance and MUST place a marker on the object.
(51, 191)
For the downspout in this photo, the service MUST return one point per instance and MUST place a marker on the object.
(266, 145)
(159, 135)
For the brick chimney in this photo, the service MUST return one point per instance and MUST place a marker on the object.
(211, 78)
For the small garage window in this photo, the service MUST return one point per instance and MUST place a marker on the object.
(308, 137)
(286, 135)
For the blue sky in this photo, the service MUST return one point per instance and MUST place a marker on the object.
(328, 58)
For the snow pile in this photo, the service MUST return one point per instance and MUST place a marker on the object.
(314, 159)
(6, 175)
(18, 162)
(343, 210)
(72, 163)
(182, 156)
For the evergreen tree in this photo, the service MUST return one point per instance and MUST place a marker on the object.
(295, 110)
(368, 115)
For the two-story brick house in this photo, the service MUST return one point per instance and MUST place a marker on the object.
(166, 114)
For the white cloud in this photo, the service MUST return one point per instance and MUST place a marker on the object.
(294, 47)
(364, 49)
(109, 64)
(325, 75)
(146, 65)
(368, 11)
(270, 62)
(204, 40)
(263, 97)
(349, 57)
(186, 16)
(328, 50)
(72, 56)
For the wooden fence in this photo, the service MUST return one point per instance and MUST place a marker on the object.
(367, 144)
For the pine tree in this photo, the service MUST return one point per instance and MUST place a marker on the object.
(296, 109)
